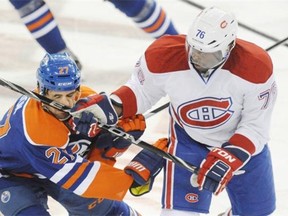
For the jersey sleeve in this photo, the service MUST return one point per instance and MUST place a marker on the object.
(72, 172)
(252, 132)
(149, 80)
(142, 90)
(47, 148)
(86, 91)
(254, 68)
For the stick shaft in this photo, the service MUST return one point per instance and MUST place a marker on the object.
(153, 112)
(111, 129)
(276, 44)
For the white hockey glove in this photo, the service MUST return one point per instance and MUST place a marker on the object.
(101, 107)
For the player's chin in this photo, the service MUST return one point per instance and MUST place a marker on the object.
(200, 68)
(62, 115)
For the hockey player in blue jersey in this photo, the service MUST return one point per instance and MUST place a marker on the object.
(39, 20)
(41, 155)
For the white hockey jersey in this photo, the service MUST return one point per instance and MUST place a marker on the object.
(234, 103)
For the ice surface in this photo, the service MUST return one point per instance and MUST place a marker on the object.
(109, 44)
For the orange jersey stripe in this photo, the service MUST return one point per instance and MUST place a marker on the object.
(109, 183)
(156, 25)
(77, 175)
(86, 91)
(40, 22)
(6, 127)
(95, 154)
(53, 131)
(43, 128)
(24, 175)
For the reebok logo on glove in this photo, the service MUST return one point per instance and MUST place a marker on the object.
(111, 117)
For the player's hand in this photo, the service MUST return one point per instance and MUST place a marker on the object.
(144, 167)
(219, 167)
(134, 126)
(115, 146)
(84, 124)
(101, 107)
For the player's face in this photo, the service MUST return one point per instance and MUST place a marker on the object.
(205, 60)
(67, 98)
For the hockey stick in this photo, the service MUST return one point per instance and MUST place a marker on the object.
(153, 112)
(34, 95)
(276, 44)
(111, 129)
(147, 146)
(240, 24)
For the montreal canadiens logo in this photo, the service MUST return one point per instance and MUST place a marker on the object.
(5, 196)
(206, 113)
(191, 197)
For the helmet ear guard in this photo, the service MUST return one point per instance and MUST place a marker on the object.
(58, 72)
(213, 32)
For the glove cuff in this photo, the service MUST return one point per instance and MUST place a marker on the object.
(110, 115)
(241, 153)
(139, 190)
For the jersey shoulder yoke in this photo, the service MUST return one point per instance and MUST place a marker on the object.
(167, 54)
(250, 62)
(43, 128)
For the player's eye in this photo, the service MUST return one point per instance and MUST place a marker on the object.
(72, 94)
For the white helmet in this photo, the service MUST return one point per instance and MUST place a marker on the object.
(213, 34)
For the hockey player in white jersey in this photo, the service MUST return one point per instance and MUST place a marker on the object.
(222, 93)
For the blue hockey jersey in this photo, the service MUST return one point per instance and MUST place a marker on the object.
(33, 143)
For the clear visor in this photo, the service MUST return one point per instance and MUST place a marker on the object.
(205, 60)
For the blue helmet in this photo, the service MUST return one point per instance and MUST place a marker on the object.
(58, 72)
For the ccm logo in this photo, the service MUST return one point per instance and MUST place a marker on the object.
(206, 113)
